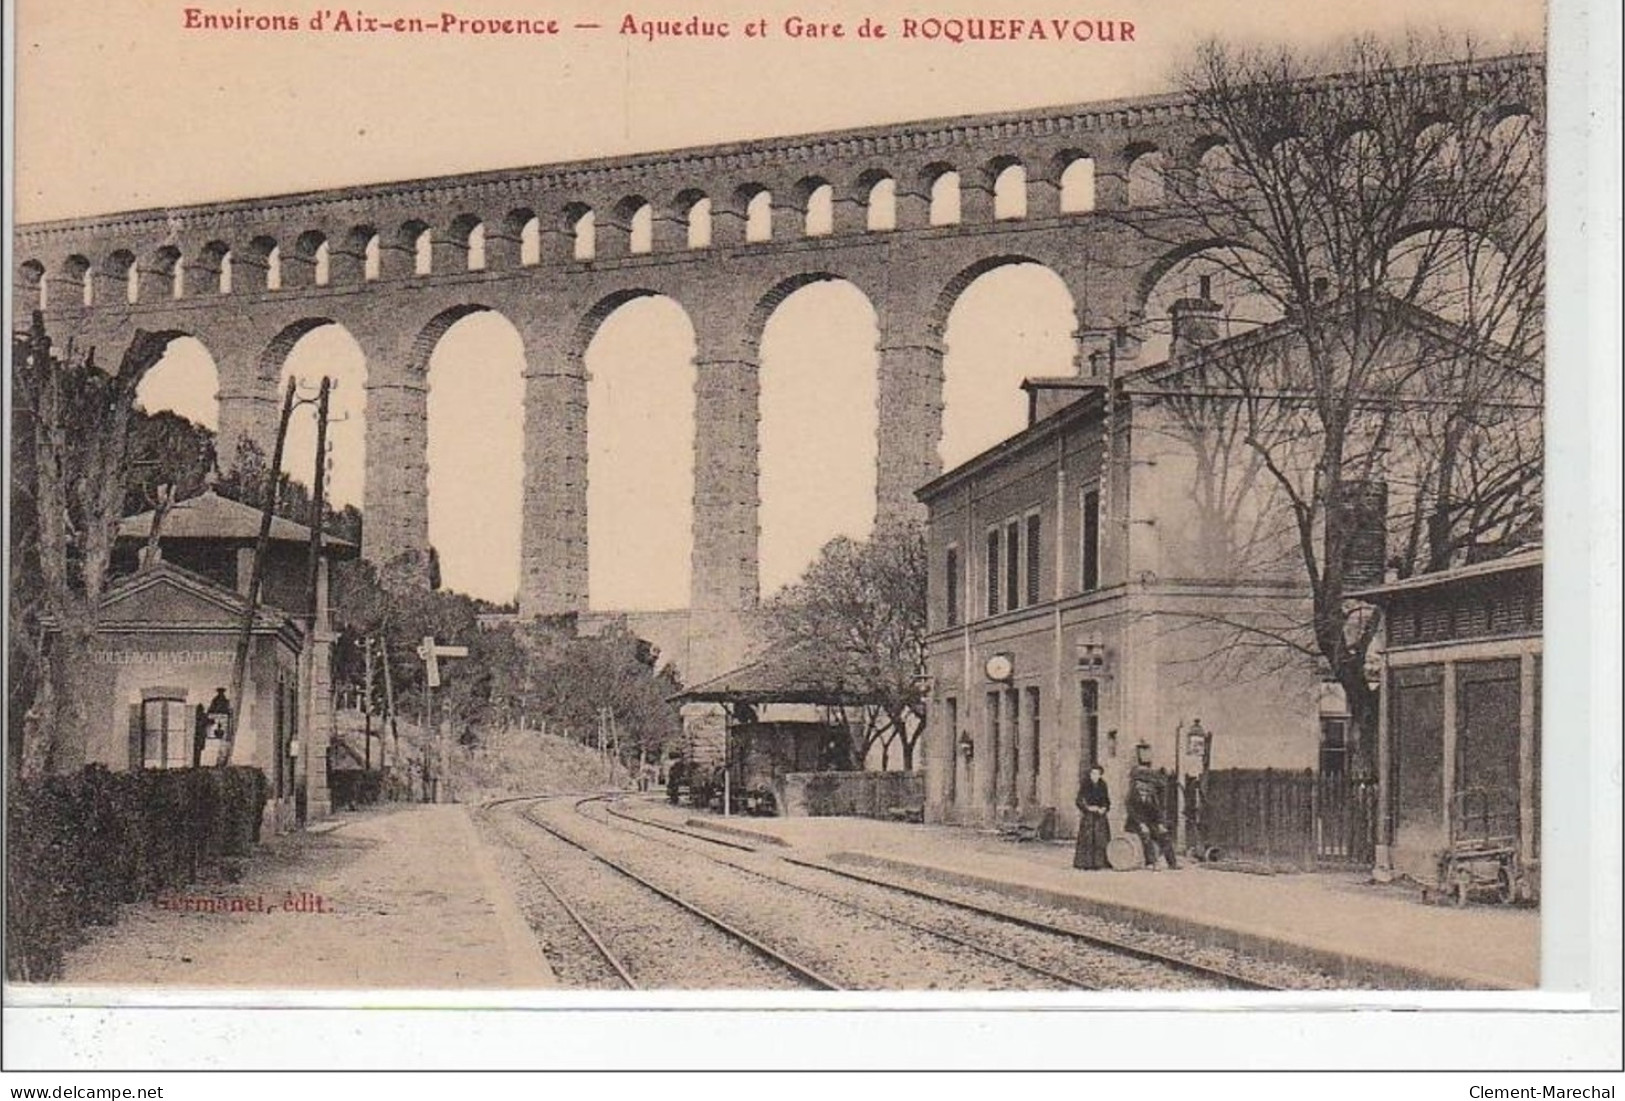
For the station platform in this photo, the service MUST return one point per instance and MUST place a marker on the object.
(403, 896)
(1373, 934)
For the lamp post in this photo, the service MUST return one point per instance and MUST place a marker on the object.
(727, 772)
(1199, 743)
(1194, 742)
(219, 715)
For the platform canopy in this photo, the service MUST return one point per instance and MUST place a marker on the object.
(782, 674)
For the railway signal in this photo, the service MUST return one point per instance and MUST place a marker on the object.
(431, 655)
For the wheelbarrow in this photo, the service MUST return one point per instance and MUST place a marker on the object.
(1489, 869)
(1482, 860)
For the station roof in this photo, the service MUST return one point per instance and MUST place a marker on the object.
(211, 516)
(1528, 559)
(1163, 377)
(783, 674)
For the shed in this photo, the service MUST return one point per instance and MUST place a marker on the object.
(1458, 736)
(763, 752)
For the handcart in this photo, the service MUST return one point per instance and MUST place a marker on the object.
(1483, 858)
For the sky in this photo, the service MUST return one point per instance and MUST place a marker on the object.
(120, 107)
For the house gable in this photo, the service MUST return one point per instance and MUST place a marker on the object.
(165, 597)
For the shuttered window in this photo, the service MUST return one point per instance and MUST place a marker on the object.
(1089, 551)
(1012, 564)
(1035, 547)
(992, 572)
(166, 732)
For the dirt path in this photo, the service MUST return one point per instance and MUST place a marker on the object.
(402, 897)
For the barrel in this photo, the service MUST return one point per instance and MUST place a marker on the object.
(1124, 854)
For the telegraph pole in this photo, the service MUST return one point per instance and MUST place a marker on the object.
(314, 589)
(366, 701)
(239, 671)
(390, 740)
(318, 500)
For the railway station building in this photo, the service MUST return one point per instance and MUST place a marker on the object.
(1105, 583)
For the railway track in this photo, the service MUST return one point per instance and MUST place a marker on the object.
(809, 976)
(586, 967)
(1223, 977)
(1047, 973)
(612, 957)
(848, 947)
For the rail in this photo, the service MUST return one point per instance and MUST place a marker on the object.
(766, 951)
(1210, 972)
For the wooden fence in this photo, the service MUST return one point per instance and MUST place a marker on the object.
(1281, 818)
(1345, 821)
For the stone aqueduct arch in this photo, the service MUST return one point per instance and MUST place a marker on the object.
(506, 241)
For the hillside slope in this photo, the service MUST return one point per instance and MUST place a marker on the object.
(528, 762)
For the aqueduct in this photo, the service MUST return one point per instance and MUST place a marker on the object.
(726, 231)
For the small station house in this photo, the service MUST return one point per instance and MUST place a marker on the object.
(161, 669)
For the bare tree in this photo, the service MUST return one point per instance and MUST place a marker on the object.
(78, 420)
(856, 619)
(866, 726)
(1386, 205)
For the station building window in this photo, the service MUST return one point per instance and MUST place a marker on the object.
(167, 729)
(1089, 727)
(994, 543)
(1035, 742)
(1334, 748)
(991, 749)
(1010, 758)
(950, 584)
(1089, 550)
(1035, 547)
(1014, 571)
(1012, 565)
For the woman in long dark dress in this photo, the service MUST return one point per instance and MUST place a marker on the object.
(1094, 831)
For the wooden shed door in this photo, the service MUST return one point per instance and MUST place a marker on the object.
(1418, 763)
(1487, 694)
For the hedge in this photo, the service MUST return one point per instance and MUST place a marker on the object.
(78, 847)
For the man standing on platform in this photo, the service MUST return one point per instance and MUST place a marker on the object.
(1145, 816)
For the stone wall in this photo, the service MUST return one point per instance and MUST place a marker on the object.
(851, 794)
